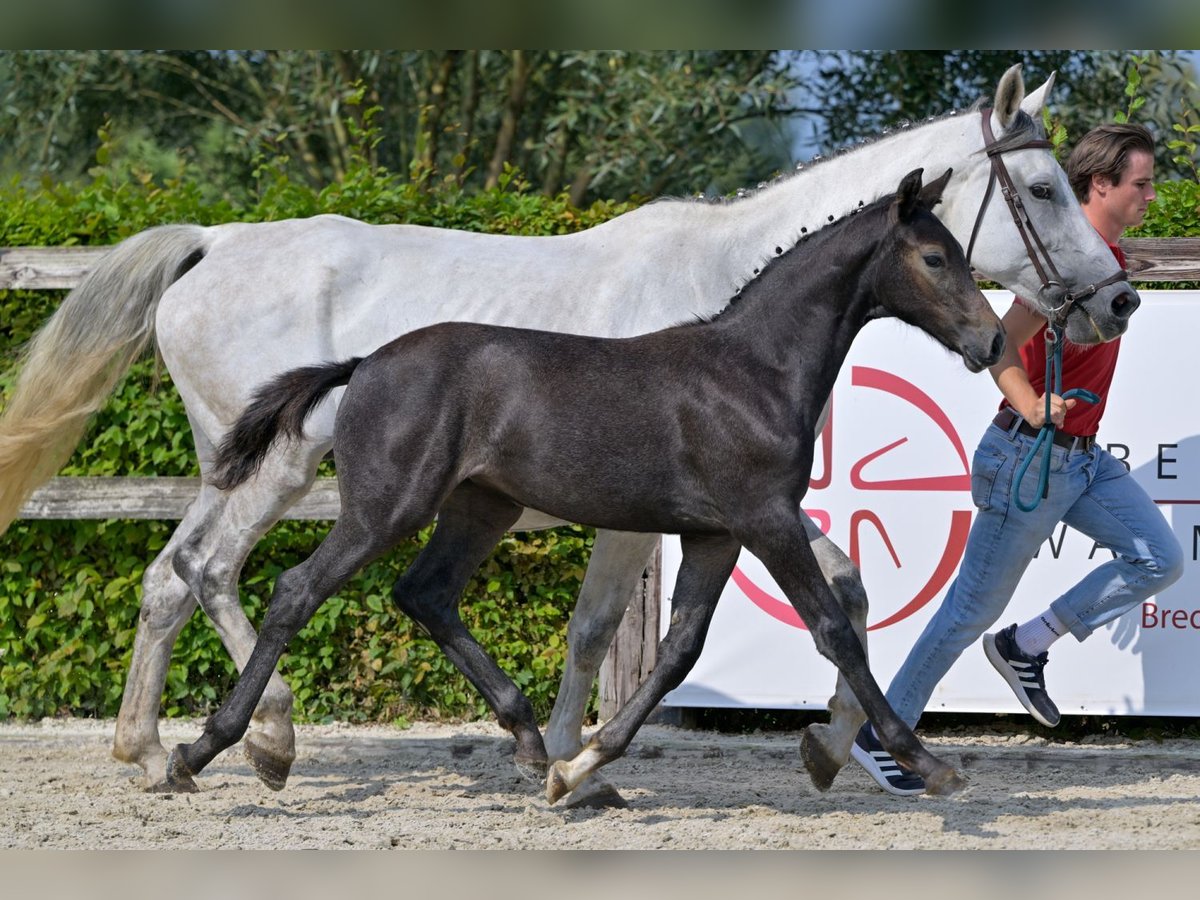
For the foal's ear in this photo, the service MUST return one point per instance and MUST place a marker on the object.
(931, 194)
(908, 195)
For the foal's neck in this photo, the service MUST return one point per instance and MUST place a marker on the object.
(801, 315)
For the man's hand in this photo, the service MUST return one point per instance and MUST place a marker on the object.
(1058, 411)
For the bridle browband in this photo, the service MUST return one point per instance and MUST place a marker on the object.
(1038, 254)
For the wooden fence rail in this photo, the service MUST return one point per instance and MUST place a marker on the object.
(1170, 260)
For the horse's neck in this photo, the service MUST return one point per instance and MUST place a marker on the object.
(777, 216)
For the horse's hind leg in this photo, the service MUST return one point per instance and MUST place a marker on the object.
(791, 562)
(706, 566)
(825, 748)
(614, 570)
(167, 604)
(470, 523)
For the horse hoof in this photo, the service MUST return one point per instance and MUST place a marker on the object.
(271, 769)
(178, 779)
(532, 770)
(556, 783)
(596, 794)
(947, 782)
(821, 765)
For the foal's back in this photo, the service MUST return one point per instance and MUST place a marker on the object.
(627, 434)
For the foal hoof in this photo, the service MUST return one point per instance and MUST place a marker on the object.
(271, 769)
(822, 765)
(179, 778)
(945, 781)
(556, 783)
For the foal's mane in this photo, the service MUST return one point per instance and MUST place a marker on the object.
(809, 243)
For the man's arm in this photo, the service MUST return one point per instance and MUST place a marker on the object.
(1020, 324)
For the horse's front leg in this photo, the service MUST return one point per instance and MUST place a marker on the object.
(613, 574)
(706, 565)
(791, 562)
(825, 748)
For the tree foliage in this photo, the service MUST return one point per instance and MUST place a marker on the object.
(862, 92)
(612, 124)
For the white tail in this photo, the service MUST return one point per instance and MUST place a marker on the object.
(75, 360)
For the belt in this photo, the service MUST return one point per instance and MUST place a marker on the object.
(1007, 417)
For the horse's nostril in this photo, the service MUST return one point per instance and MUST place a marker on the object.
(998, 345)
(1125, 303)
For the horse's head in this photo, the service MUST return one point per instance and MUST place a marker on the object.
(927, 281)
(1054, 257)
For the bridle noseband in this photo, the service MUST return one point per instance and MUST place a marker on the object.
(1036, 250)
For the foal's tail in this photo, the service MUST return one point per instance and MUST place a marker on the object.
(74, 362)
(280, 405)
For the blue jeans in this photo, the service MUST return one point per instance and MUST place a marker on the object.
(1090, 491)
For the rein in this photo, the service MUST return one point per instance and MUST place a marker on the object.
(1045, 438)
(1040, 257)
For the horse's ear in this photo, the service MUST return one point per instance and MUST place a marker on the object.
(908, 195)
(1034, 102)
(931, 194)
(1009, 94)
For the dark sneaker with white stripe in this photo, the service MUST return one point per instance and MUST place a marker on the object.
(888, 774)
(1025, 674)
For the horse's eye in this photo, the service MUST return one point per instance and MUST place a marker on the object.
(1042, 191)
(934, 260)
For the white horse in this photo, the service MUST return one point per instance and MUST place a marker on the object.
(233, 305)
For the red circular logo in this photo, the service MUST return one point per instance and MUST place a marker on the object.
(960, 519)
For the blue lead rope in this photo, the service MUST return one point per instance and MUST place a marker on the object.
(1045, 438)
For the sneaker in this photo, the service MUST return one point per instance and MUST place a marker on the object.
(888, 774)
(1024, 674)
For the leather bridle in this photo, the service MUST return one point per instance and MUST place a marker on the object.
(1038, 254)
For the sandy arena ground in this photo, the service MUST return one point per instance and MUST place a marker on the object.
(453, 786)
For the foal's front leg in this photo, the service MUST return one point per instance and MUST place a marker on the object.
(613, 574)
(706, 566)
(825, 748)
(790, 560)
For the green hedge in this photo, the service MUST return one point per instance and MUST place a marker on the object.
(70, 591)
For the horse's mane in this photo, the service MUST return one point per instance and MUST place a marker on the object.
(1020, 130)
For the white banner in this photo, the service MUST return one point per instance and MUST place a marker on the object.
(891, 486)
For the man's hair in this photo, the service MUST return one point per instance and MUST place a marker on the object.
(1105, 151)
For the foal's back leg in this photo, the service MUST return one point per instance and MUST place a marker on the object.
(706, 566)
(470, 523)
(355, 540)
(787, 555)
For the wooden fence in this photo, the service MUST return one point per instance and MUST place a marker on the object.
(631, 656)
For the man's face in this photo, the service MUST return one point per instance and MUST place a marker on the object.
(1126, 202)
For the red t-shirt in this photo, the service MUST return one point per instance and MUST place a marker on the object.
(1088, 366)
